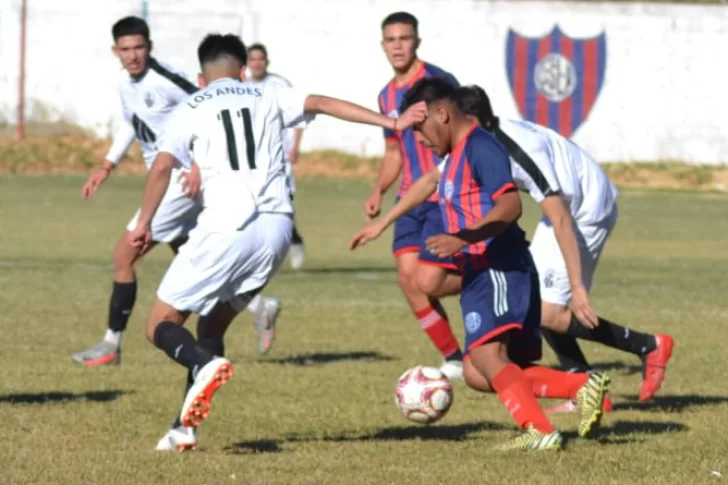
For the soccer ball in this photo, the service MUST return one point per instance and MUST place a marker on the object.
(423, 394)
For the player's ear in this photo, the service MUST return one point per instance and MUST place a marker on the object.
(417, 43)
(243, 73)
(150, 46)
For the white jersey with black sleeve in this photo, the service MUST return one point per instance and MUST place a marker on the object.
(545, 163)
(234, 129)
(146, 103)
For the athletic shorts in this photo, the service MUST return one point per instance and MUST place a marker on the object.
(412, 230)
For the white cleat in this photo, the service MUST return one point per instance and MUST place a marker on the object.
(265, 323)
(453, 369)
(179, 439)
(297, 255)
(199, 398)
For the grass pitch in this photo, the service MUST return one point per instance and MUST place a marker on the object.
(319, 409)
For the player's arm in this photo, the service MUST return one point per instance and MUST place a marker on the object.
(344, 110)
(419, 192)
(122, 139)
(554, 208)
(388, 174)
(506, 210)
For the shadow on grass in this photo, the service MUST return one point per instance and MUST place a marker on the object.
(59, 397)
(670, 403)
(626, 432)
(328, 358)
(457, 432)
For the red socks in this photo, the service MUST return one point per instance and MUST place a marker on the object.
(547, 382)
(437, 327)
(516, 392)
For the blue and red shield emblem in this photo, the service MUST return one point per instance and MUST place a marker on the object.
(555, 79)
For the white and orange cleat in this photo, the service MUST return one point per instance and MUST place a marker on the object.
(199, 398)
(178, 439)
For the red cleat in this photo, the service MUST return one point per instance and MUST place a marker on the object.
(655, 365)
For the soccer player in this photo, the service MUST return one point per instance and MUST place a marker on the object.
(400, 40)
(579, 206)
(500, 298)
(244, 230)
(260, 76)
(149, 91)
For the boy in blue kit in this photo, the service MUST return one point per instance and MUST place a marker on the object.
(500, 297)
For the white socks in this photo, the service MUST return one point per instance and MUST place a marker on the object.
(113, 337)
(255, 303)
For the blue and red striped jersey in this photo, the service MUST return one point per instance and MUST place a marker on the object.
(417, 160)
(476, 173)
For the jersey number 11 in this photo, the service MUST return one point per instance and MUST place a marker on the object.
(232, 145)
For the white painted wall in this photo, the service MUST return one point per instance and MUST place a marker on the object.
(663, 97)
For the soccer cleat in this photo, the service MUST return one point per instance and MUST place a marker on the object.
(180, 439)
(590, 400)
(265, 323)
(297, 255)
(102, 353)
(534, 440)
(570, 406)
(655, 364)
(453, 369)
(199, 398)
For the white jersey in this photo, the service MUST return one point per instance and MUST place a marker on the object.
(271, 79)
(544, 163)
(234, 129)
(146, 104)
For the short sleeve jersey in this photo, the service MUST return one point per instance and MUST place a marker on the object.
(417, 160)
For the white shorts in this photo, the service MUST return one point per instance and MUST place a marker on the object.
(176, 216)
(555, 287)
(220, 267)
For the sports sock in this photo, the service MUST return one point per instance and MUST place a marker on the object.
(179, 344)
(113, 337)
(255, 303)
(547, 382)
(615, 336)
(515, 392)
(123, 296)
(435, 324)
(296, 237)
(214, 346)
(567, 350)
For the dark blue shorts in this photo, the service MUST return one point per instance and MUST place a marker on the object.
(412, 230)
(494, 302)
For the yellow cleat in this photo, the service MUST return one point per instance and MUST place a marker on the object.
(590, 400)
(534, 440)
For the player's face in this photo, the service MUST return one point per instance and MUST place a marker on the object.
(258, 64)
(433, 132)
(133, 52)
(400, 43)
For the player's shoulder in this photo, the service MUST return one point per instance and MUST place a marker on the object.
(483, 144)
(166, 76)
(278, 80)
(432, 70)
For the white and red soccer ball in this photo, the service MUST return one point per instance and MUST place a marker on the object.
(423, 394)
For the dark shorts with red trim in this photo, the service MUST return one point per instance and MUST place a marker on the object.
(412, 230)
(494, 302)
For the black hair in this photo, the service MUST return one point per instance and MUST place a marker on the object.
(216, 46)
(428, 89)
(259, 47)
(473, 100)
(130, 26)
(401, 18)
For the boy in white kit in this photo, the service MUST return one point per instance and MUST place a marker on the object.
(245, 227)
(149, 91)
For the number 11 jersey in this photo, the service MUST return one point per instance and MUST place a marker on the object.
(233, 129)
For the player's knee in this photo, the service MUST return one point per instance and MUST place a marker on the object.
(124, 257)
(474, 379)
(406, 280)
(428, 283)
(555, 317)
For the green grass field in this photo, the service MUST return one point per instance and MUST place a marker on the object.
(319, 409)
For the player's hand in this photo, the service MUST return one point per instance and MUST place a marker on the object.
(191, 181)
(444, 245)
(293, 156)
(141, 237)
(581, 308)
(417, 113)
(373, 205)
(94, 182)
(370, 232)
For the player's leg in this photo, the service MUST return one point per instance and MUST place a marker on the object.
(296, 253)
(121, 303)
